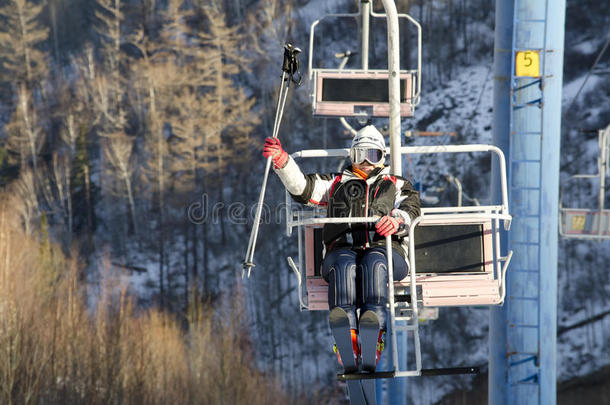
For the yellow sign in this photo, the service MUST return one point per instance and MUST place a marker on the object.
(578, 222)
(527, 63)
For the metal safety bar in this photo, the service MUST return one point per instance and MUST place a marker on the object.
(410, 150)
(498, 271)
(414, 319)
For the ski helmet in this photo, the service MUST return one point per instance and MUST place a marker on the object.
(368, 144)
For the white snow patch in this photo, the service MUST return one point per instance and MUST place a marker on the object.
(571, 89)
(586, 47)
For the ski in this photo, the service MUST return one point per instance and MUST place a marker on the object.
(370, 394)
(340, 328)
(369, 334)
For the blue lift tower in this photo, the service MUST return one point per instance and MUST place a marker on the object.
(528, 66)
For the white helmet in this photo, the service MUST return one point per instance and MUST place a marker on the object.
(368, 139)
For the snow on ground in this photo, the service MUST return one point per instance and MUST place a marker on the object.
(587, 47)
(465, 103)
(316, 8)
(583, 350)
(571, 89)
(463, 106)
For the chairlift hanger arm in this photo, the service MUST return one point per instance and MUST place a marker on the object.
(416, 97)
(312, 30)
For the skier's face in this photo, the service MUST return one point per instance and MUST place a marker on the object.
(365, 166)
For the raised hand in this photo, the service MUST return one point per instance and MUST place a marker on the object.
(273, 148)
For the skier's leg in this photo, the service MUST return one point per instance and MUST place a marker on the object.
(373, 268)
(339, 269)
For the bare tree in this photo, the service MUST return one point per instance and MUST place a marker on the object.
(110, 17)
(20, 35)
(25, 200)
(153, 75)
(189, 160)
(84, 107)
(25, 134)
(228, 111)
(90, 102)
(226, 106)
(62, 174)
(118, 149)
(269, 26)
(164, 67)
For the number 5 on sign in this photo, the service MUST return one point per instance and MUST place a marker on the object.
(527, 63)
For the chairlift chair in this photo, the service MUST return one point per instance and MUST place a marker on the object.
(361, 93)
(586, 223)
(454, 255)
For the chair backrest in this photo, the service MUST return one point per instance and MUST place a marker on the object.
(584, 223)
(358, 93)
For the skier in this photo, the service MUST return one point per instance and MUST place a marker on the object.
(355, 264)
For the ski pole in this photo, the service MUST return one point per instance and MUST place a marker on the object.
(290, 68)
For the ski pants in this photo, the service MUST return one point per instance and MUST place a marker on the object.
(359, 279)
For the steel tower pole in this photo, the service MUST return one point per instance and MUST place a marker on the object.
(553, 84)
(523, 333)
(501, 128)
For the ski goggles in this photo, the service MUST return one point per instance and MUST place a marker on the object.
(373, 156)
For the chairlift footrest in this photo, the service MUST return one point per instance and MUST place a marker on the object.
(365, 376)
(449, 371)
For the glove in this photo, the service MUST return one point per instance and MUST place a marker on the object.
(273, 148)
(387, 225)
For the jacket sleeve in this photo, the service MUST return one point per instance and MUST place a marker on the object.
(310, 189)
(406, 205)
